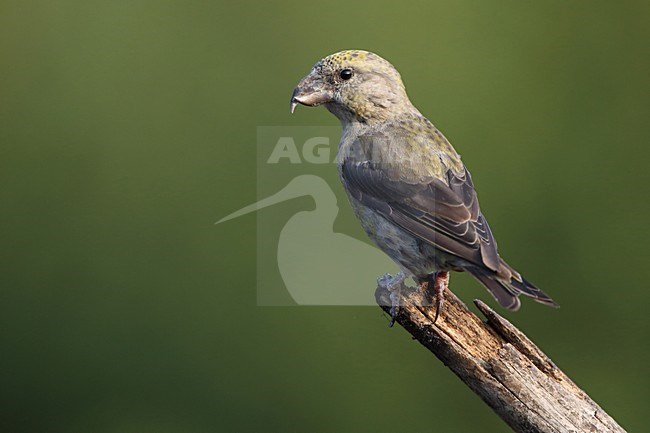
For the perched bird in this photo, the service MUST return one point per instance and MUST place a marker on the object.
(406, 183)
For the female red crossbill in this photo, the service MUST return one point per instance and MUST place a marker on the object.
(407, 185)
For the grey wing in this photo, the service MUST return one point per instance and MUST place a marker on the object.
(443, 214)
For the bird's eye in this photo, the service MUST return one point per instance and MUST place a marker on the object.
(346, 74)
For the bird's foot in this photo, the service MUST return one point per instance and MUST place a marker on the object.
(434, 287)
(394, 285)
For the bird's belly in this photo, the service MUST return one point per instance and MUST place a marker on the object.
(408, 252)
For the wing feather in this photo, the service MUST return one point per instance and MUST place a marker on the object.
(443, 213)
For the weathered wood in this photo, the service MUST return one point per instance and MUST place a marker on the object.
(500, 364)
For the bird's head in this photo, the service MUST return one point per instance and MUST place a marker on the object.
(354, 85)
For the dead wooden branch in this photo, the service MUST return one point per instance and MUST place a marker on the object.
(500, 364)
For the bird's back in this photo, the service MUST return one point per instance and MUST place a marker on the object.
(410, 149)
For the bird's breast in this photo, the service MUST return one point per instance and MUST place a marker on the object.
(402, 247)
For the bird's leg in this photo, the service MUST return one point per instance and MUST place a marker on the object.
(433, 287)
(440, 283)
(394, 286)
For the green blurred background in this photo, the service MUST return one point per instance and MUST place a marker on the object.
(128, 127)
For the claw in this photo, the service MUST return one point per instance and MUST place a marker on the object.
(433, 288)
(440, 282)
(394, 286)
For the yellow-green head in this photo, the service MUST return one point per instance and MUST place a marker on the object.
(355, 85)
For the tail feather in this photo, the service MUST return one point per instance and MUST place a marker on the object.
(530, 290)
(505, 295)
(507, 290)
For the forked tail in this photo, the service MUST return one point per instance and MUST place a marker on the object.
(506, 285)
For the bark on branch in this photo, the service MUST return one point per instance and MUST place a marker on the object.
(500, 364)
